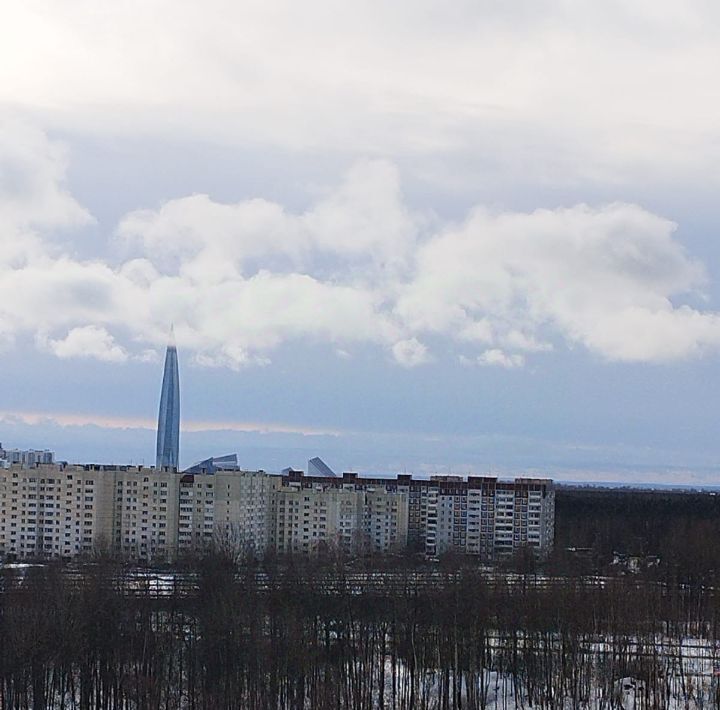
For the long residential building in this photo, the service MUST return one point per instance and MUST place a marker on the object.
(58, 510)
(480, 515)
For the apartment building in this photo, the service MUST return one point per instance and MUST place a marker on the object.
(26, 457)
(230, 508)
(145, 512)
(321, 517)
(142, 513)
(52, 511)
(312, 519)
(479, 515)
(157, 514)
(385, 521)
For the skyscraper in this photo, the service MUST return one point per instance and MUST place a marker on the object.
(168, 433)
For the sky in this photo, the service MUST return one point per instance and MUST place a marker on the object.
(468, 237)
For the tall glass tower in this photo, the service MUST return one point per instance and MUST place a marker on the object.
(168, 431)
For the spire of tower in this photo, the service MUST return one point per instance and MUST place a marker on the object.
(168, 431)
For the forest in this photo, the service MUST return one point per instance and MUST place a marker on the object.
(679, 528)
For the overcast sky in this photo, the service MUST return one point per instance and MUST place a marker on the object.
(424, 236)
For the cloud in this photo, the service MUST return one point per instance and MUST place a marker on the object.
(7, 339)
(34, 200)
(148, 355)
(356, 266)
(602, 277)
(88, 342)
(410, 353)
(363, 219)
(496, 357)
(545, 92)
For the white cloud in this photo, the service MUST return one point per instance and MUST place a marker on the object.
(363, 219)
(643, 335)
(410, 353)
(602, 277)
(32, 183)
(357, 266)
(147, 355)
(498, 358)
(33, 195)
(7, 339)
(88, 342)
(231, 356)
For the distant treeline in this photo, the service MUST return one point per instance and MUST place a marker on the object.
(321, 634)
(681, 528)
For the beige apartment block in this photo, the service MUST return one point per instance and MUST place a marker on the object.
(136, 512)
(145, 512)
(227, 509)
(244, 510)
(386, 519)
(321, 518)
(56, 510)
(196, 513)
(50, 510)
(312, 519)
(480, 515)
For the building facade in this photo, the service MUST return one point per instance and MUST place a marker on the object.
(145, 512)
(56, 510)
(135, 512)
(53, 511)
(26, 457)
(314, 519)
(230, 509)
(479, 515)
(317, 518)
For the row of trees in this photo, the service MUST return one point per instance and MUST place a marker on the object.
(316, 634)
(680, 528)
